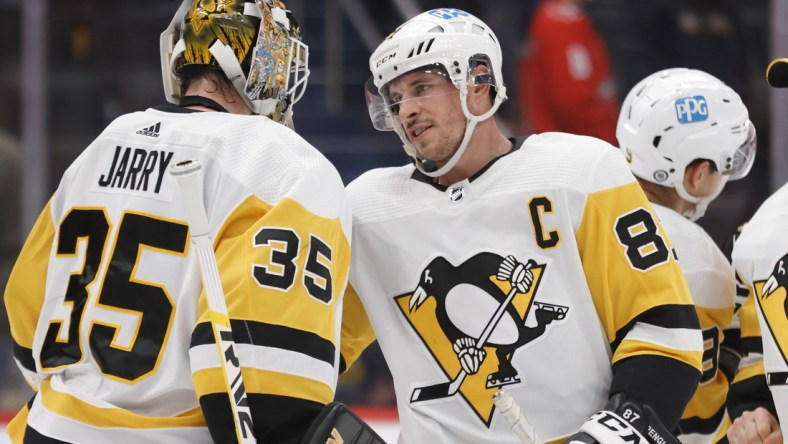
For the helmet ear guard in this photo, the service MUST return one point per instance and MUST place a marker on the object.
(256, 44)
(487, 78)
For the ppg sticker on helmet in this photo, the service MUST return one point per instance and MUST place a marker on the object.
(448, 13)
(692, 109)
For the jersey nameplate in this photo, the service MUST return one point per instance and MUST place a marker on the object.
(136, 169)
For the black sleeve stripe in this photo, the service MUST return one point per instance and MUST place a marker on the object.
(705, 426)
(269, 335)
(25, 356)
(671, 316)
(665, 316)
(733, 340)
(753, 345)
(749, 394)
(277, 419)
(33, 436)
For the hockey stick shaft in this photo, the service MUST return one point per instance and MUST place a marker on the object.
(488, 329)
(188, 176)
(445, 389)
(514, 416)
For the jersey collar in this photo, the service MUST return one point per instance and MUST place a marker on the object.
(421, 177)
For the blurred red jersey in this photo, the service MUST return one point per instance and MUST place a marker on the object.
(564, 79)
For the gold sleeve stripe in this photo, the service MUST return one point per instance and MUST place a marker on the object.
(715, 424)
(240, 254)
(357, 332)
(713, 317)
(16, 428)
(708, 400)
(748, 317)
(749, 371)
(26, 287)
(71, 407)
(722, 432)
(208, 381)
(630, 348)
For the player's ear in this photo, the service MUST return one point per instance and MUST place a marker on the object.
(695, 174)
(479, 90)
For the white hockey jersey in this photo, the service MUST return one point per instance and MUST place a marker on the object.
(760, 257)
(105, 301)
(433, 268)
(713, 287)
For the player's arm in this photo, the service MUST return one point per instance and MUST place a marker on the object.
(25, 291)
(357, 333)
(624, 420)
(734, 346)
(640, 294)
(337, 424)
(749, 389)
(657, 353)
(283, 270)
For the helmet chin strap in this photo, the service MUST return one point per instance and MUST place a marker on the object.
(701, 203)
(428, 167)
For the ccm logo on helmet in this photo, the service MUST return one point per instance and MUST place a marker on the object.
(385, 59)
(448, 13)
(692, 109)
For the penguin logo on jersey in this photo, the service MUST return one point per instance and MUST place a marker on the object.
(778, 279)
(772, 295)
(472, 318)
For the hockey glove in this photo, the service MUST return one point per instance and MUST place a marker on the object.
(337, 424)
(624, 421)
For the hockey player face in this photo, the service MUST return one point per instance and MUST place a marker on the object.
(427, 105)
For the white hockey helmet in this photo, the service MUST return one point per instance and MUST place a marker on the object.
(678, 115)
(255, 43)
(451, 39)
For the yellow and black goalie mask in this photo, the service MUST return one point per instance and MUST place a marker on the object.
(257, 44)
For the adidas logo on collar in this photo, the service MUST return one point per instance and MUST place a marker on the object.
(151, 131)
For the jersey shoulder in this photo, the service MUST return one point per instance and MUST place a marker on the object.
(710, 276)
(579, 163)
(762, 242)
(770, 215)
(686, 235)
(767, 224)
(242, 156)
(269, 160)
(381, 193)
